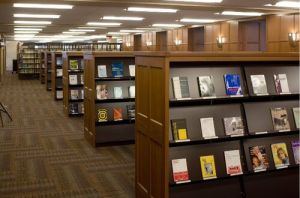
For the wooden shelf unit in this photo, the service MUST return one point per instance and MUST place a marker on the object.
(29, 63)
(110, 132)
(56, 81)
(48, 70)
(155, 108)
(67, 100)
(42, 68)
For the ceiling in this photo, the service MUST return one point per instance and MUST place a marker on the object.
(92, 10)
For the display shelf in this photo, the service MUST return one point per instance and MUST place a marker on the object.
(56, 80)
(156, 107)
(48, 70)
(28, 63)
(109, 132)
(42, 68)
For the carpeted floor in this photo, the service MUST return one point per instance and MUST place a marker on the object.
(43, 153)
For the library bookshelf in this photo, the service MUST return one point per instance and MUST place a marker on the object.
(56, 75)
(48, 70)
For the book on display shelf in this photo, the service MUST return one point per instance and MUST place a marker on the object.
(131, 112)
(206, 86)
(281, 84)
(208, 167)
(74, 64)
(102, 72)
(208, 128)
(118, 92)
(233, 162)
(59, 61)
(296, 151)
(74, 94)
(179, 130)
(234, 126)
(280, 119)
(74, 109)
(73, 79)
(117, 69)
(81, 108)
(59, 94)
(132, 70)
(181, 87)
(280, 155)
(259, 84)
(102, 115)
(233, 85)
(118, 114)
(59, 72)
(101, 92)
(131, 91)
(180, 171)
(296, 116)
(259, 158)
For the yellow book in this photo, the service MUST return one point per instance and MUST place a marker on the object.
(208, 167)
(182, 134)
(280, 155)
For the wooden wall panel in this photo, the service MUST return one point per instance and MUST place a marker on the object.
(128, 43)
(179, 34)
(161, 41)
(196, 39)
(149, 37)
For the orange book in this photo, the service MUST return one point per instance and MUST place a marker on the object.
(118, 114)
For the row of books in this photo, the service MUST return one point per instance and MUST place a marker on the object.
(117, 70)
(102, 92)
(76, 64)
(117, 113)
(76, 94)
(76, 108)
(232, 85)
(233, 125)
(76, 79)
(258, 156)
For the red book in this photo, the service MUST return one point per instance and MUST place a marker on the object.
(180, 171)
(118, 114)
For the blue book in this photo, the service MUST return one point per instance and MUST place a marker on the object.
(117, 69)
(233, 84)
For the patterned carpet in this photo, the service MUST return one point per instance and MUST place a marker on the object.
(43, 152)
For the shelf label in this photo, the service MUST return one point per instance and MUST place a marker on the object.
(208, 178)
(266, 94)
(209, 97)
(285, 130)
(212, 137)
(286, 93)
(281, 167)
(183, 98)
(178, 141)
(261, 132)
(236, 96)
(260, 170)
(235, 174)
(237, 135)
(183, 182)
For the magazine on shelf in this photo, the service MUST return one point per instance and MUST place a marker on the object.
(101, 92)
(259, 158)
(259, 84)
(179, 130)
(296, 151)
(281, 84)
(181, 87)
(102, 72)
(180, 171)
(74, 94)
(73, 64)
(73, 79)
(206, 86)
(131, 91)
(234, 126)
(233, 162)
(233, 85)
(102, 115)
(208, 167)
(131, 112)
(208, 128)
(280, 119)
(296, 116)
(118, 113)
(117, 69)
(280, 155)
(132, 70)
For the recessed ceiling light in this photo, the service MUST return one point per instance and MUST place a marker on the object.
(81, 30)
(91, 27)
(29, 26)
(234, 13)
(101, 41)
(97, 36)
(74, 32)
(140, 9)
(188, 20)
(24, 35)
(47, 16)
(198, 1)
(286, 4)
(28, 29)
(132, 31)
(26, 32)
(103, 24)
(43, 6)
(167, 25)
(33, 22)
(122, 18)
(117, 33)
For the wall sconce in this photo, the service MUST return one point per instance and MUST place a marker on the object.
(178, 42)
(149, 43)
(128, 44)
(220, 41)
(293, 38)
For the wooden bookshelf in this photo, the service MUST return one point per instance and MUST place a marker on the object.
(56, 78)
(48, 70)
(69, 101)
(28, 63)
(110, 131)
(155, 107)
(42, 68)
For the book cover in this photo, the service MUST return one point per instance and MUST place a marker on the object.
(102, 71)
(234, 126)
(59, 72)
(118, 93)
(81, 79)
(179, 129)
(118, 113)
(259, 158)
(81, 108)
(296, 116)
(132, 70)
(281, 83)
(74, 94)
(259, 84)
(180, 170)
(73, 79)
(59, 61)
(131, 91)
(74, 64)
(81, 94)
(208, 167)
(280, 155)
(180, 87)
(296, 151)
(117, 69)
(81, 64)
(102, 92)
(102, 115)
(131, 112)
(59, 94)
(233, 84)
(206, 86)
(280, 119)
(207, 127)
(73, 108)
(233, 162)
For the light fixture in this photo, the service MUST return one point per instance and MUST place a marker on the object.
(177, 41)
(33, 22)
(132, 31)
(97, 36)
(24, 35)
(117, 33)
(128, 44)
(141, 9)
(220, 41)
(29, 26)
(234, 13)
(28, 29)
(74, 32)
(168, 25)
(123, 18)
(189, 20)
(81, 30)
(101, 41)
(148, 43)
(26, 32)
(46, 16)
(293, 38)
(198, 1)
(286, 4)
(43, 6)
(103, 24)
(92, 27)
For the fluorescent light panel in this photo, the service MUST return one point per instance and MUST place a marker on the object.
(117, 33)
(141, 9)
(188, 20)
(123, 18)
(234, 13)
(29, 26)
(103, 24)
(81, 30)
(28, 29)
(74, 32)
(167, 25)
(198, 1)
(43, 6)
(26, 32)
(46, 16)
(33, 22)
(132, 31)
(286, 4)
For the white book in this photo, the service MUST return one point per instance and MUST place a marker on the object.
(82, 93)
(73, 79)
(233, 162)
(59, 72)
(259, 84)
(207, 127)
(132, 70)
(59, 94)
(180, 170)
(102, 71)
(131, 91)
(74, 94)
(281, 83)
(176, 87)
(118, 93)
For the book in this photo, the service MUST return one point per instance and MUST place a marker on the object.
(81, 79)
(59, 61)
(180, 87)
(73, 108)
(179, 129)
(206, 86)
(101, 92)
(296, 151)
(118, 113)
(102, 71)
(73, 79)
(74, 94)
(81, 66)
(180, 170)
(296, 116)
(280, 119)
(117, 69)
(259, 84)
(233, 162)
(73, 64)
(280, 155)
(132, 70)
(59, 72)
(259, 158)
(59, 94)
(131, 112)
(207, 128)
(81, 94)
(208, 167)
(233, 84)
(102, 115)
(281, 83)
(131, 91)
(118, 93)
(233, 126)
(81, 108)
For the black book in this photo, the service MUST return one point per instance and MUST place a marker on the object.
(179, 129)
(74, 108)
(180, 87)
